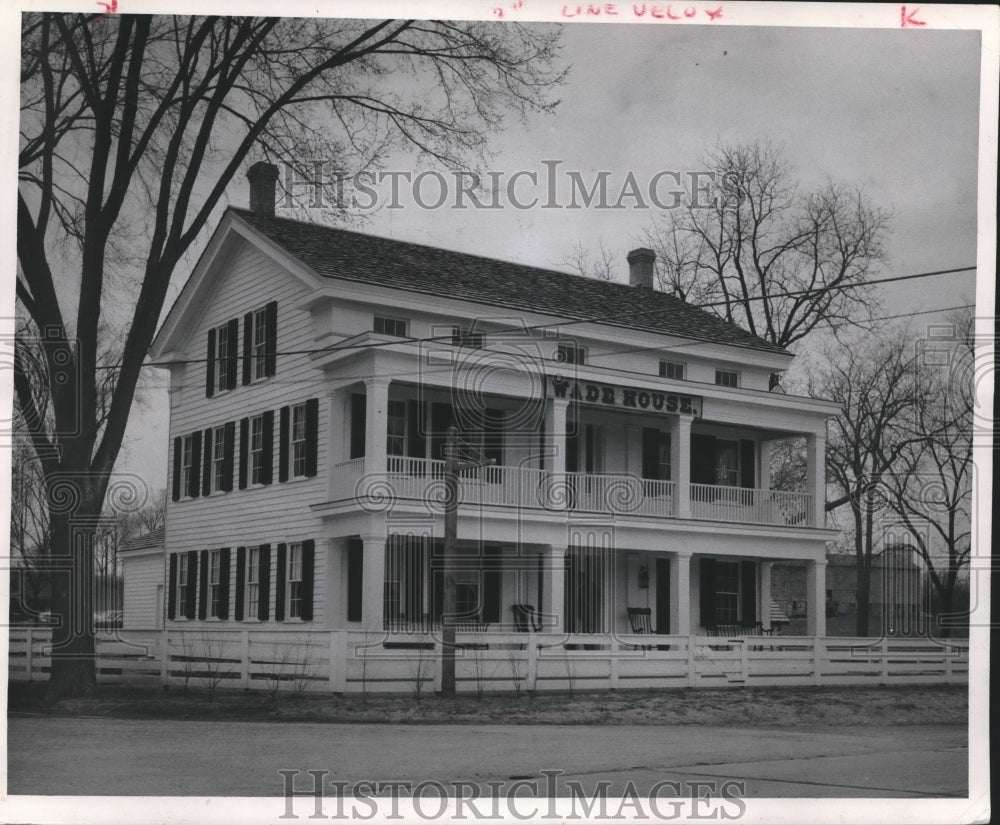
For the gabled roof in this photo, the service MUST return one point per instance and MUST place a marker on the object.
(353, 256)
(154, 538)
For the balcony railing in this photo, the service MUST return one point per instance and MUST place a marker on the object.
(529, 488)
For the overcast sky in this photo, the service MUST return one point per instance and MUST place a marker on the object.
(892, 111)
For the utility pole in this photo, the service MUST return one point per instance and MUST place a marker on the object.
(452, 467)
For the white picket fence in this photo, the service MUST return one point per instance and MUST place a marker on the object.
(357, 662)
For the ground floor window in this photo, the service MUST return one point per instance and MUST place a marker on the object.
(587, 578)
(727, 592)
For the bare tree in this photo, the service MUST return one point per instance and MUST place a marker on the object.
(599, 264)
(761, 254)
(132, 127)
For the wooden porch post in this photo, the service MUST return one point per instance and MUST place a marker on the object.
(376, 424)
(554, 587)
(816, 597)
(680, 594)
(680, 461)
(373, 582)
(555, 453)
(765, 594)
(816, 476)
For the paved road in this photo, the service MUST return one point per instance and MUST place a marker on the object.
(88, 756)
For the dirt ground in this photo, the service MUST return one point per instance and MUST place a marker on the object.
(750, 707)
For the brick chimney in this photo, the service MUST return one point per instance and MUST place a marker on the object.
(640, 267)
(263, 179)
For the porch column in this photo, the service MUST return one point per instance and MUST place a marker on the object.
(555, 453)
(680, 460)
(680, 594)
(373, 582)
(765, 594)
(338, 442)
(816, 598)
(554, 589)
(765, 465)
(376, 424)
(816, 475)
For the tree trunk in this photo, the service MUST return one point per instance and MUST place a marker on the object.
(862, 584)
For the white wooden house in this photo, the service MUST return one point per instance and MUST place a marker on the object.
(313, 375)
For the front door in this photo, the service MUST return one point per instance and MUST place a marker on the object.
(663, 596)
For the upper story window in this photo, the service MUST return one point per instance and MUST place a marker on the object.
(253, 582)
(257, 449)
(727, 378)
(672, 369)
(221, 360)
(215, 584)
(219, 464)
(295, 581)
(182, 584)
(396, 428)
(259, 350)
(571, 354)
(260, 343)
(187, 466)
(463, 337)
(391, 326)
(299, 440)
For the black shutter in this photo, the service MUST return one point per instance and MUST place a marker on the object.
(203, 586)
(441, 420)
(650, 453)
(706, 587)
(312, 436)
(748, 592)
(267, 460)
(172, 592)
(355, 581)
(232, 358)
(308, 576)
(244, 450)
(264, 602)
(748, 472)
(283, 444)
(416, 443)
(358, 405)
(702, 459)
(492, 580)
(224, 583)
(279, 585)
(206, 465)
(493, 426)
(572, 446)
(271, 338)
(227, 462)
(178, 449)
(241, 580)
(210, 365)
(195, 463)
(192, 583)
(247, 347)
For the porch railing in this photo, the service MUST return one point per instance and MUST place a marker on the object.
(526, 487)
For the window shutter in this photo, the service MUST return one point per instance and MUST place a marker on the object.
(178, 447)
(203, 586)
(264, 603)
(706, 587)
(227, 460)
(493, 426)
(358, 405)
(172, 592)
(312, 436)
(355, 567)
(206, 464)
(308, 576)
(232, 359)
(748, 592)
(224, 583)
(441, 420)
(192, 583)
(244, 450)
(748, 472)
(702, 459)
(492, 578)
(210, 365)
(283, 444)
(241, 580)
(271, 337)
(247, 346)
(416, 442)
(650, 453)
(279, 586)
(195, 462)
(267, 462)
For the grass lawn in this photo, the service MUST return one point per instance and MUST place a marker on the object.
(749, 707)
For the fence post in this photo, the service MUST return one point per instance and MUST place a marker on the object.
(30, 660)
(338, 661)
(692, 674)
(164, 657)
(245, 658)
(438, 670)
(744, 664)
(819, 656)
(615, 658)
(532, 668)
(884, 660)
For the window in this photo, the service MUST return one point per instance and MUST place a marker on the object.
(727, 467)
(467, 593)
(259, 344)
(672, 369)
(396, 428)
(727, 592)
(390, 326)
(727, 378)
(257, 449)
(222, 358)
(219, 458)
(253, 582)
(299, 440)
(182, 583)
(571, 354)
(214, 583)
(295, 581)
(187, 463)
(461, 337)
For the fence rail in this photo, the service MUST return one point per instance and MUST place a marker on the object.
(349, 661)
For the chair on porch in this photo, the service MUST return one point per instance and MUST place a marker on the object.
(526, 618)
(640, 619)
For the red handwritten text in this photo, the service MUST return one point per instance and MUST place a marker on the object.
(110, 7)
(907, 20)
(653, 10)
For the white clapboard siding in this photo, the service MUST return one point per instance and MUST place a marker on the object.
(143, 573)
